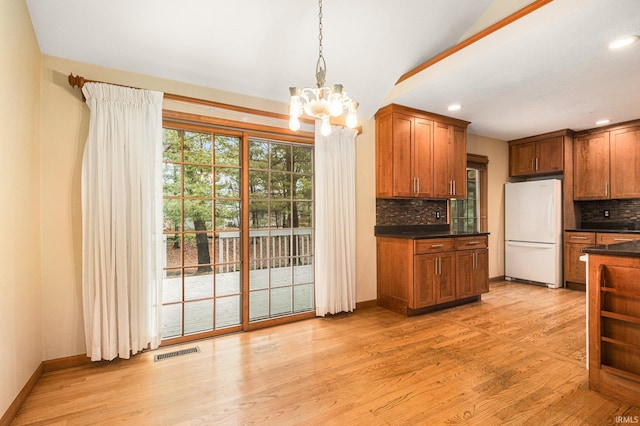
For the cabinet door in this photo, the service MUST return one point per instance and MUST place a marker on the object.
(522, 159)
(481, 272)
(425, 267)
(464, 273)
(423, 157)
(625, 163)
(591, 167)
(403, 128)
(549, 155)
(441, 147)
(472, 275)
(458, 160)
(574, 269)
(445, 279)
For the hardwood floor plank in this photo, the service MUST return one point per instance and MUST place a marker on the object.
(516, 357)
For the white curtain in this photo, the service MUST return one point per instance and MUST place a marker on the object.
(122, 221)
(335, 224)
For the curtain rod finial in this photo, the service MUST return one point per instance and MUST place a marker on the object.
(76, 81)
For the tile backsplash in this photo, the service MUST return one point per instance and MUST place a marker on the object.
(619, 210)
(410, 212)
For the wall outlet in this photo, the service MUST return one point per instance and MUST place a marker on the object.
(437, 215)
(606, 213)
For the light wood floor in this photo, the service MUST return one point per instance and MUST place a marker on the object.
(516, 357)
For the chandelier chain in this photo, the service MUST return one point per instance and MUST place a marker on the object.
(321, 65)
(320, 28)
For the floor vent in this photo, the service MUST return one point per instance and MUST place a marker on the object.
(167, 355)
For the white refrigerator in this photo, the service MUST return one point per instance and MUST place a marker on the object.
(533, 232)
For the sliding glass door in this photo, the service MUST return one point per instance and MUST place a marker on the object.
(212, 283)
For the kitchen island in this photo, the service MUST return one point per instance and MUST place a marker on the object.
(426, 268)
(614, 319)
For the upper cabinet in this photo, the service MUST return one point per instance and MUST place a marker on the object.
(591, 167)
(449, 161)
(625, 162)
(607, 164)
(419, 154)
(539, 155)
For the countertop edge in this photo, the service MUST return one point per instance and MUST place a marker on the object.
(626, 249)
(606, 231)
(431, 236)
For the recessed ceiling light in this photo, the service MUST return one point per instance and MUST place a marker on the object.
(623, 41)
(454, 107)
(601, 122)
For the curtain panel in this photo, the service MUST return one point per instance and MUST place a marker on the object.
(335, 227)
(122, 221)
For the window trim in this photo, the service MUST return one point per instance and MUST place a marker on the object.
(481, 162)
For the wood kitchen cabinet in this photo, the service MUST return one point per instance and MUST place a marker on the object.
(472, 274)
(607, 164)
(575, 276)
(615, 237)
(430, 273)
(575, 273)
(419, 154)
(591, 167)
(614, 326)
(540, 155)
(449, 161)
(625, 162)
(434, 281)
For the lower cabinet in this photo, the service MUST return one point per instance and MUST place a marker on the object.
(431, 273)
(575, 272)
(575, 275)
(434, 279)
(472, 276)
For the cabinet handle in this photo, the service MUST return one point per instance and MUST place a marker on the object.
(454, 188)
(622, 239)
(536, 164)
(414, 185)
(578, 238)
(606, 189)
(437, 245)
(418, 191)
(473, 243)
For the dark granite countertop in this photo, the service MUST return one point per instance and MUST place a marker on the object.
(628, 249)
(608, 231)
(419, 232)
(608, 227)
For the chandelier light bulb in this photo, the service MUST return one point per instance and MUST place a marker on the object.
(352, 118)
(325, 128)
(294, 123)
(295, 108)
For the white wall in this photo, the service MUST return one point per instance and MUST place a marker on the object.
(498, 170)
(20, 291)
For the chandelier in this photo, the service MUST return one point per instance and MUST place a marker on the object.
(321, 102)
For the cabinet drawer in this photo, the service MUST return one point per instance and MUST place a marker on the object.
(471, 243)
(580, 237)
(433, 245)
(615, 238)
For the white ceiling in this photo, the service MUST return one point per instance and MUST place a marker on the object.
(548, 71)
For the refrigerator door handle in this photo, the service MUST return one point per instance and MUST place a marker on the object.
(530, 245)
(550, 215)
